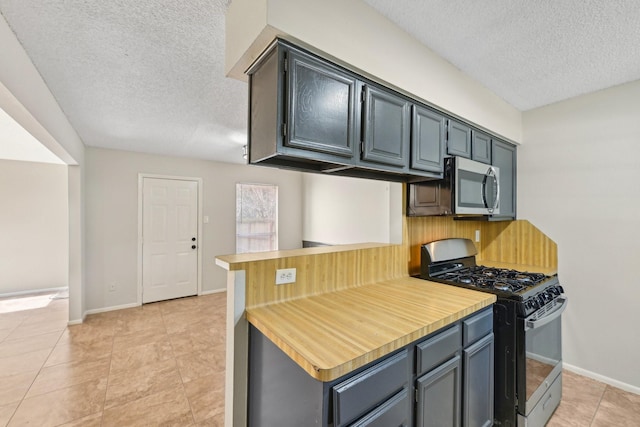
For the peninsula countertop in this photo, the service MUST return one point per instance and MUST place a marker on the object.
(332, 334)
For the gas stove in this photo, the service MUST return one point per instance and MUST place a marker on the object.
(526, 326)
(452, 261)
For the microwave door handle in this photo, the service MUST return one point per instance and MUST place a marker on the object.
(491, 173)
(550, 317)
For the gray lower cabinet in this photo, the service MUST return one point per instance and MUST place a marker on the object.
(477, 401)
(445, 379)
(478, 370)
(354, 398)
(438, 396)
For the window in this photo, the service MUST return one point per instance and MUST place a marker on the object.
(256, 218)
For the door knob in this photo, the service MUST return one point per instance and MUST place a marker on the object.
(193, 239)
(193, 246)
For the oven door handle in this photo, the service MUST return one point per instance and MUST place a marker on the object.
(550, 317)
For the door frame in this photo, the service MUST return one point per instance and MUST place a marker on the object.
(141, 177)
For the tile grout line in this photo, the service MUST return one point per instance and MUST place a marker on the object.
(184, 390)
(598, 405)
(106, 391)
(36, 376)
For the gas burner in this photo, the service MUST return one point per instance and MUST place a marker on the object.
(501, 286)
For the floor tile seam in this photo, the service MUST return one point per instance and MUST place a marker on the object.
(595, 413)
(24, 396)
(14, 412)
(106, 391)
(186, 396)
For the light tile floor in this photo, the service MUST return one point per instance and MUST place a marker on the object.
(162, 364)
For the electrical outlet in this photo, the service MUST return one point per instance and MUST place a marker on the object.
(113, 286)
(285, 275)
(477, 235)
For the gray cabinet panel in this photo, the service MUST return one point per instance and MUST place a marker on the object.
(477, 404)
(321, 106)
(438, 349)
(477, 326)
(392, 413)
(504, 157)
(428, 139)
(458, 139)
(438, 396)
(481, 147)
(386, 132)
(357, 395)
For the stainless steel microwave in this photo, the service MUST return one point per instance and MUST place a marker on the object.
(468, 188)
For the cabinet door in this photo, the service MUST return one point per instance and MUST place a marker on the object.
(321, 106)
(504, 157)
(438, 396)
(458, 139)
(481, 147)
(386, 128)
(429, 198)
(428, 138)
(477, 401)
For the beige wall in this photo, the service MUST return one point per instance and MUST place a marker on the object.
(34, 243)
(578, 181)
(112, 216)
(343, 210)
(356, 34)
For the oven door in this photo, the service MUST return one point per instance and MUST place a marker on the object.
(540, 361)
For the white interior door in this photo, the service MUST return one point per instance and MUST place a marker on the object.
(169, 239)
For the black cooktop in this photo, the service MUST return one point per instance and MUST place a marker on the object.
(490, 278)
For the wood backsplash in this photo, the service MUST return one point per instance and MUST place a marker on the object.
(515, 242)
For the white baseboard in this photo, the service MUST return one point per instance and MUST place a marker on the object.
(213, 291)
(615, 383)
(32, 291)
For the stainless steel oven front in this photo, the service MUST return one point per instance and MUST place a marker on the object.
(539, 363)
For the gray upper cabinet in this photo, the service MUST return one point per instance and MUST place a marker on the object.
(458, 139)
(481, 147)
(386, 129)
(321, 106)
(302, 112)
(309, 114)
(504, 157)
(428, 139)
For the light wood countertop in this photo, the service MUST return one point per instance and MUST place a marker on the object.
(331, 334)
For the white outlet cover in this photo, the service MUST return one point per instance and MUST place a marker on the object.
(285, 275)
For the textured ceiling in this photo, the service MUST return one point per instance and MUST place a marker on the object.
(147, 75)
(138, 75)
(530, 53)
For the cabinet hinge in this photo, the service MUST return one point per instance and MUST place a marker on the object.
(415, 394)
(284, 129)
(362, 95)
(285, 63)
